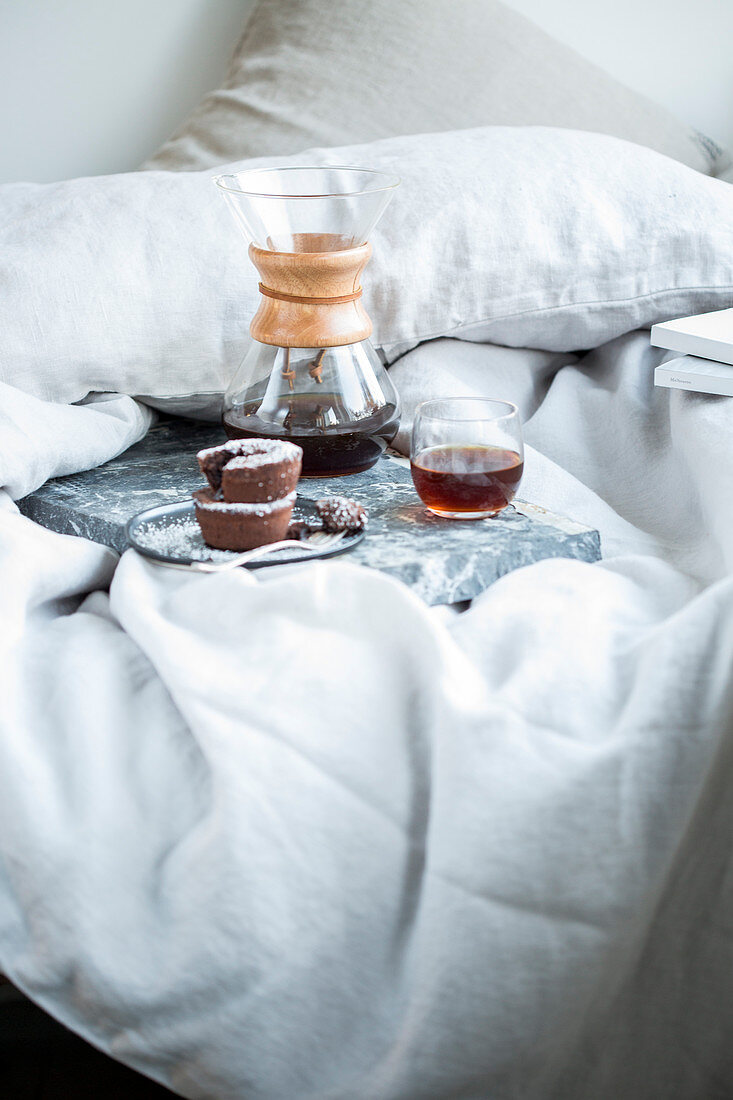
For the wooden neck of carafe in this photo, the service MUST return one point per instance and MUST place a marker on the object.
(310, 299)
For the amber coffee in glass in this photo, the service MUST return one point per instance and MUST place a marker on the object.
(467, 456)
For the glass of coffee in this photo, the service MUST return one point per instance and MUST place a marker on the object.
(467, 456)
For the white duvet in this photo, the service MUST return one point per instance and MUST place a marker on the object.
(296, 835)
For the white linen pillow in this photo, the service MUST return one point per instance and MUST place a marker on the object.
(310, 72)
(528, 237)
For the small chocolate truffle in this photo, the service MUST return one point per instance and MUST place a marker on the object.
(342, 514)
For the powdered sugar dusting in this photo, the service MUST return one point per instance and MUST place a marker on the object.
(248, 453)
(262, 458)
(259, 508)
(178, 538)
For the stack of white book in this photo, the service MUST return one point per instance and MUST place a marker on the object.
(706, 342)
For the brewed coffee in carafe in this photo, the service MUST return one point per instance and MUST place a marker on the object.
(311, 374)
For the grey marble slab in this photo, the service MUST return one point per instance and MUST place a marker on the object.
(443, 561)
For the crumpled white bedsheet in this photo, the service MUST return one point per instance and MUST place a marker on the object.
(296, 835)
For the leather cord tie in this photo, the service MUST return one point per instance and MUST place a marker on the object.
(282, 297)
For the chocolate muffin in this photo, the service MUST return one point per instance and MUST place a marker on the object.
(252, 470)
(233, 525)
(249, 501)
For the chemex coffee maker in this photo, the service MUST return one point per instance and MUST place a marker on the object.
(311, 375)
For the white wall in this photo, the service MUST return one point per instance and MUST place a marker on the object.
(90, 86)
(677, 52)
(95, 86)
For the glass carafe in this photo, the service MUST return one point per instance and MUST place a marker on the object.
(311, 374)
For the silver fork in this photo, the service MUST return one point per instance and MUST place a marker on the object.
(319, 541)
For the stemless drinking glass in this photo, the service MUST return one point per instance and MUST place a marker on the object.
(467, 456)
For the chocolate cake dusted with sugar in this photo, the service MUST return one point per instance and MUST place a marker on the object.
(251, 492)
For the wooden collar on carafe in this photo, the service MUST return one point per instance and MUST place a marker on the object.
(310, 299)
